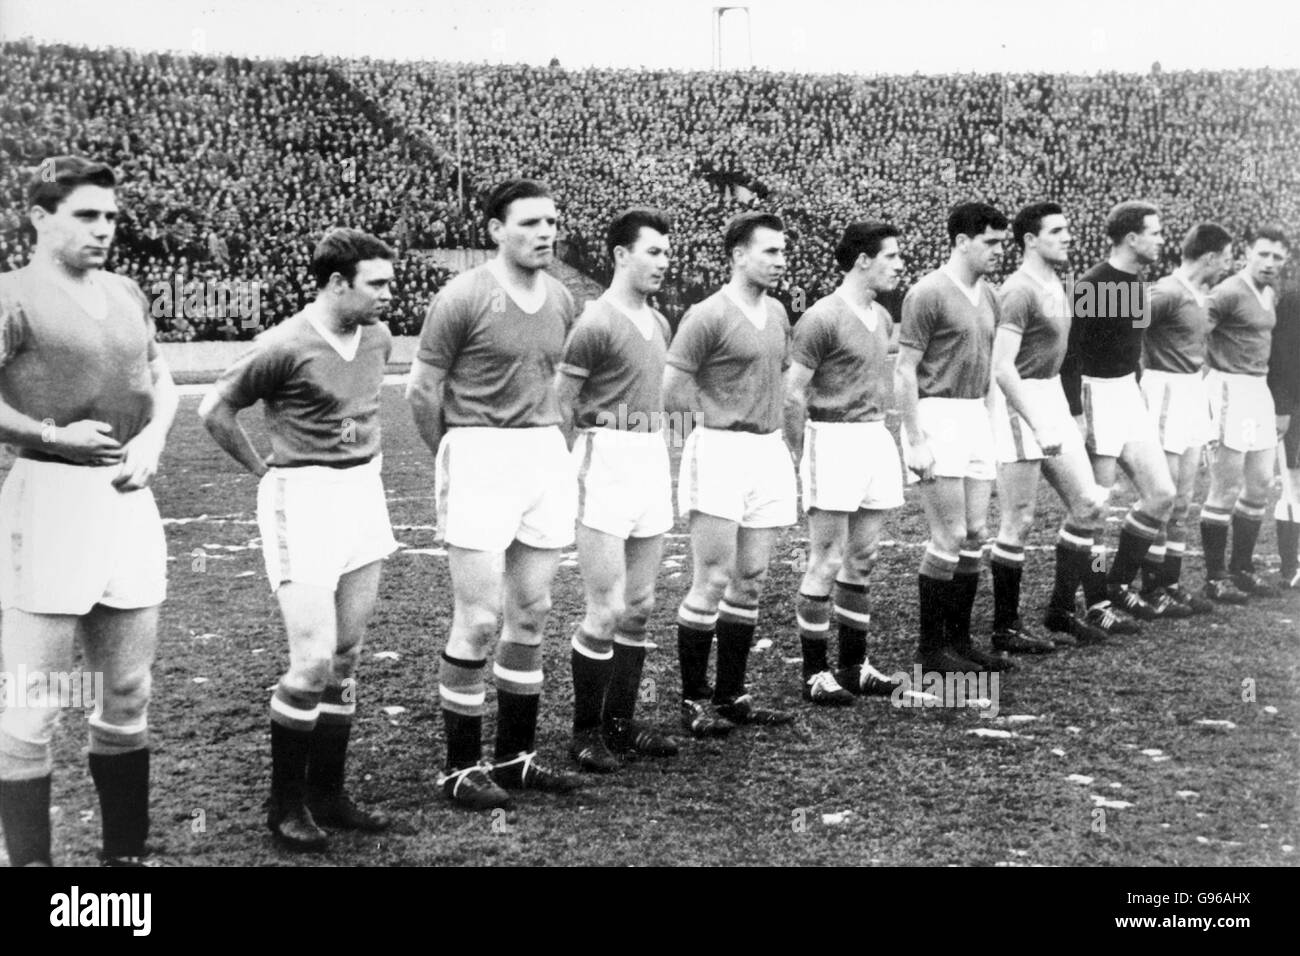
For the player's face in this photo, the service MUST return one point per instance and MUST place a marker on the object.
(762, 261)
(646, 260)
(371, 292)
(1148, 242)
(1053, 240)
(1264, 260)
(80, 230)
(527, 236)
(983, 253)
(885, 270)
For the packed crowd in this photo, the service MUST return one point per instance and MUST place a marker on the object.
(230, 170)
(232, 166)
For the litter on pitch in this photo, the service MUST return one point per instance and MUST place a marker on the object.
(1221, 724)
(1100, 801)
(1079, 778)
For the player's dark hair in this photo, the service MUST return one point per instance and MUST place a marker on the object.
(860, 238)
(741, 228)
(1273, 233)
(971, 219)
(1029, 221)
(341, 249)
(497, 202)
(57, 176)
(627, 226)
(1204, 237)
(1128, 217)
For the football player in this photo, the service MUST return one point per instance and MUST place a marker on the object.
(87, 401)
(482, 393)
(318, 375)
(1242, 317)
(611, 382)
(837, 390)
(736, 482)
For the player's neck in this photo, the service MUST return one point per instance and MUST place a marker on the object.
(626, 298)
(512, 274)
(54, 266)
(857, 292)
(746, 292)
(330, 320)
(1253, 282)
(1036, 267)
(1193, 277)
(960, 270)
(1124, 261)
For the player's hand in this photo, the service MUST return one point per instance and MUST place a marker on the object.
(140, 463)
(87, 442)
(1081, 423)
(1048, 440)
(921, 461)
(1283, 425)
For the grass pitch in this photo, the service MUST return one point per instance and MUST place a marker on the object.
(1098, 756)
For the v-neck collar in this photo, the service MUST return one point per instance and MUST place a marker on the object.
(869, 318)
(972, 293)
(509, 293)
(347, 349)
(1258, 295)
(644, 323)
(752, 317)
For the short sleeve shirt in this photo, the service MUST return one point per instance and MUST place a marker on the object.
(736, 365)
(500, 360)
(321, 408)
(622, 370)
(852, 379)
(60, 364)
(953, 334)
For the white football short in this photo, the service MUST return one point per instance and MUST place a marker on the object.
(740, 476)
(960, 436)
(71, 541)
(1242, 410)
(625, 486)
(1179, 406)
(1116, 415)
(494, 486)
(850, 465)
(319, 523)
(1015, 438)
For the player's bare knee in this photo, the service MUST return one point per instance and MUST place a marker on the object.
(859, 562)
(824, 566)
(638, 609)
(1159, 502)
(310, 673)
(126, 696)
(603, 618)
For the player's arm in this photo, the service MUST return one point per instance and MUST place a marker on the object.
(568, 387)
(219, 416)
(907, 395)
(143, 452)
(797, 377)
(681, 402)
(1072, 366)
(1006, 346)
(426, 391)
(85, 442)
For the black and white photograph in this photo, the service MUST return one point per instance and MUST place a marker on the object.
(518, 433)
